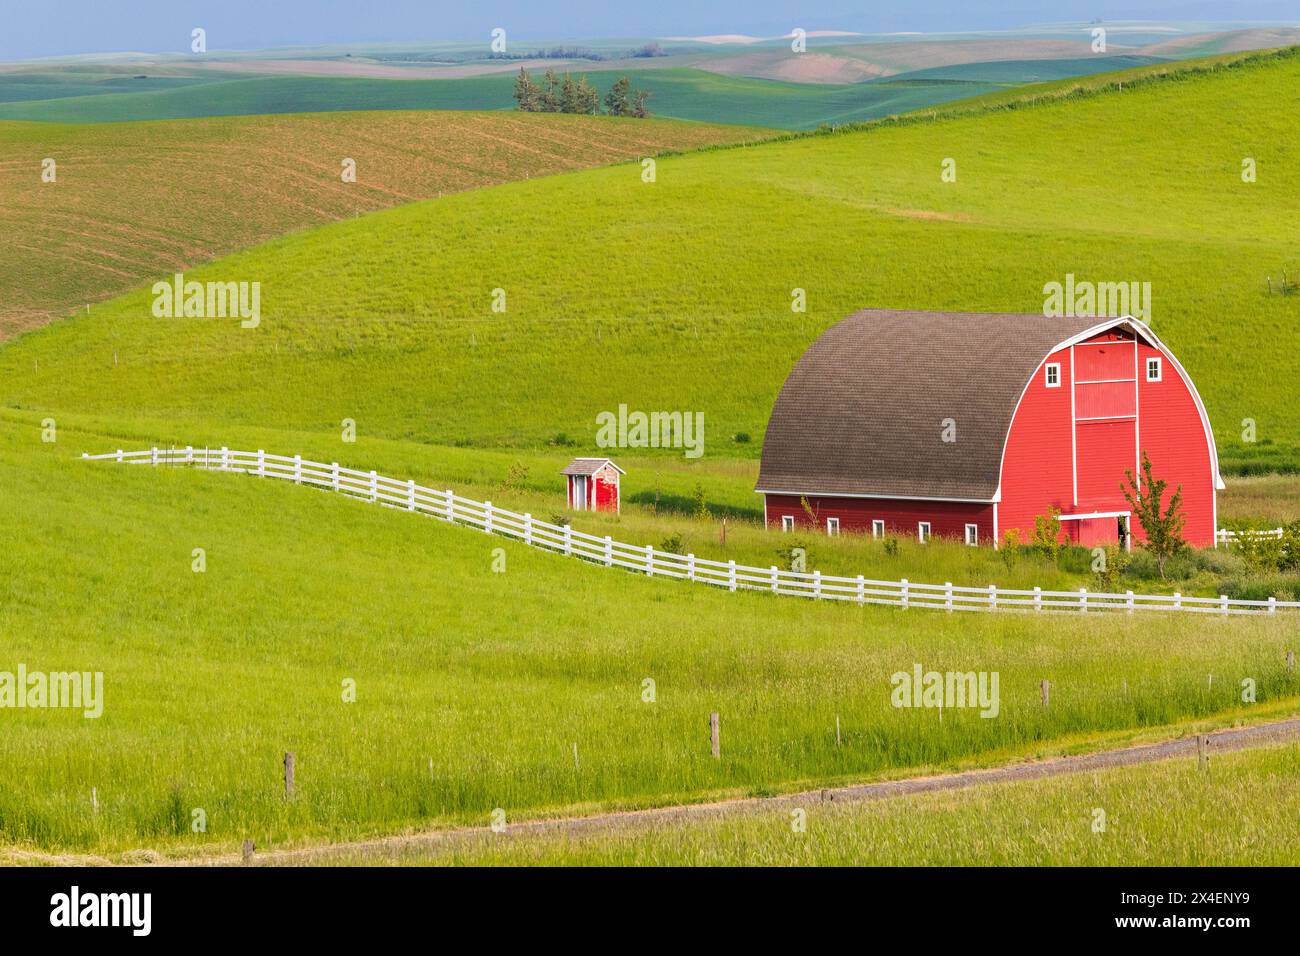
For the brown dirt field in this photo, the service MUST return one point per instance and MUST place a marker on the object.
(135, 202)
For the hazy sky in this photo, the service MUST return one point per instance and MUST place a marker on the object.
(36, 28)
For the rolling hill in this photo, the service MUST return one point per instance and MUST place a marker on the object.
(676, 294)
(135, 200)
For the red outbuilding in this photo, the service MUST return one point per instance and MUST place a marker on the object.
(593, 484)
(967, 426)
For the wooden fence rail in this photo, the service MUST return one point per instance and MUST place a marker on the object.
(644, 559)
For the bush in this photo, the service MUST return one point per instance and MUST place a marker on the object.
(891, 547)
(1284, 587)
(742, 438)
(672, 544)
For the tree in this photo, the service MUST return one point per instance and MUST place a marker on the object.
(588, 97)
(526, 93)
(550, 97)
(618, 101)
(1047, 532)
(569, 95)
(1163, 527)
(638, 104)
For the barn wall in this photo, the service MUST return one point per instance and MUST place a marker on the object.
(947, 519)
(1171, 433)
(1038, 466)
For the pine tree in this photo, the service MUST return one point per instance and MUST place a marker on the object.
(526, 92)
(550, 96)
(618, 99)
(569, 102)
(638, 104)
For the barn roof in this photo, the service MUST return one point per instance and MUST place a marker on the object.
(589, 466)
(861, 412)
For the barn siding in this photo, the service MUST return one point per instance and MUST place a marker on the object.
(947, 519)
(1038, 466)
(1171, 433)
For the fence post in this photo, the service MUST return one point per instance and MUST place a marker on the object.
(451, 506)
(289, 761)
(528, 527)
(1083, 600)
(993, 597)
(817, 584)
(1272, 604)
(297, 469)
(1223, 602)
(862, 589)
(904, 595)
(1038, 598)
(334, 476)
(119, 456)
(153, 460)
(649, 561)
(487, 517)
(568, 539)
(1178, 601)
(225, 458)
(261, 463)
(1202, 752)
(410, 488)
(775, 579)
(947, 595)
(1045, 688)
(731, 572)
(609, 551)
(715, 741)
(189, 454)
(1290, 660)
(1129, 603)
(374, 486)
(690, 567)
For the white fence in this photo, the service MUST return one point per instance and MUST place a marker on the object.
(485, 516)
(1227, 537)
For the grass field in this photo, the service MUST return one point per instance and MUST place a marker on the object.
(133, 201)
(473, 686)
(858, 218)
(1167, 814)
(678, 93)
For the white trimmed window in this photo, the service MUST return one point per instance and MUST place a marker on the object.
(787, 522)
(1052, 375)
(972, 534)
(923, 531)
(832, 526)
(1153, 369)
(878, 528)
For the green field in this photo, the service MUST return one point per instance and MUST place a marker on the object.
(1167, 814)
(678, 93)
(401, 300)
(474, 686)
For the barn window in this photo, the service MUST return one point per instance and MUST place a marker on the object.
(832, 526)
(1053, 379)
(878, 528)
(787, 522)
(923, 531)
(972, 534)
(1153, 370)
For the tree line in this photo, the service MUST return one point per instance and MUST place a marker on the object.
(567, 95)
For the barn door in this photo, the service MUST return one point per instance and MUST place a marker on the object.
(1105, 421)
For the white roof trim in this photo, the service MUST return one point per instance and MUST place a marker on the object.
(844, 494)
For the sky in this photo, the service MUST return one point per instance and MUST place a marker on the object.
(40, 28)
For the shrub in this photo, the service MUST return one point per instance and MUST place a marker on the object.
(1284, 587)
(672, 544)
(891, 547)
(742, 438)
(1047, 533)
(797, 557)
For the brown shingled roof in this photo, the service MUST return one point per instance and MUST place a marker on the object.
(861, 412)
(589, 466)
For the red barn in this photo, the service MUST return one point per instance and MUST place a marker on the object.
(593, 484)
(969, 425)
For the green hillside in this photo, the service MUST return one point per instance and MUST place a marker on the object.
(677, 93)
(676, 294)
